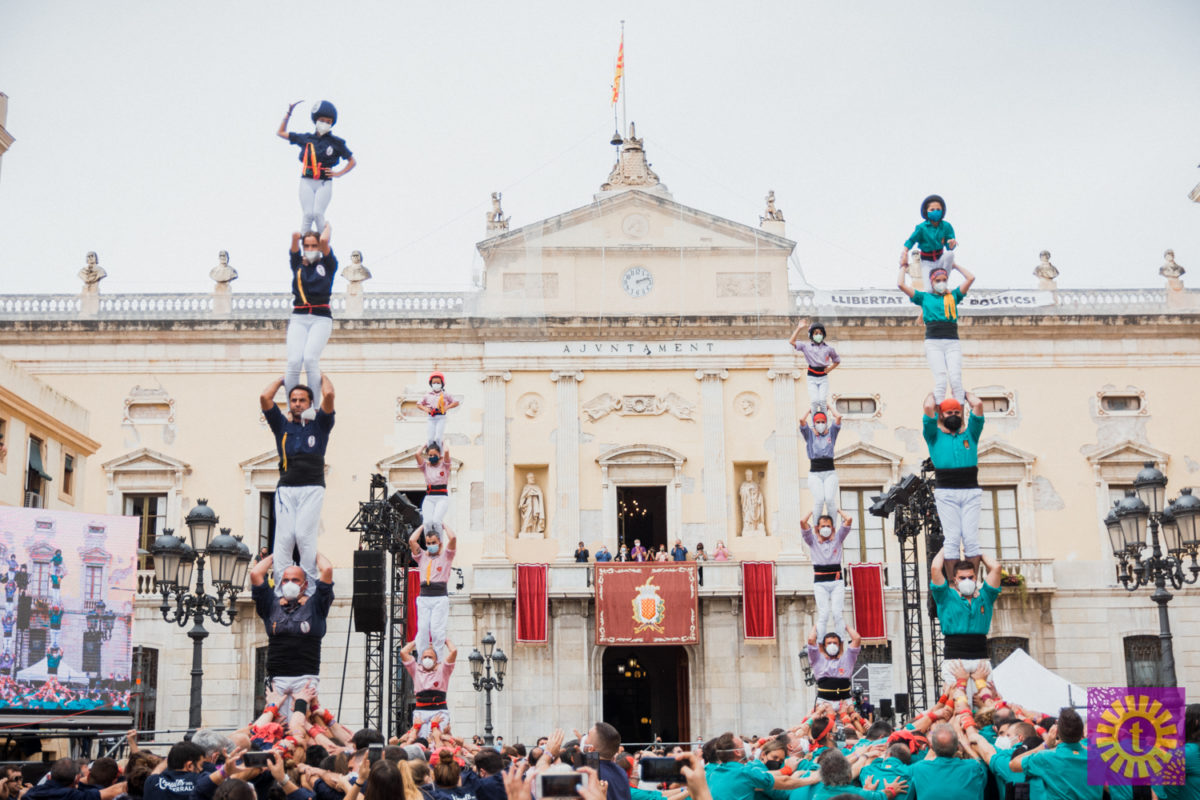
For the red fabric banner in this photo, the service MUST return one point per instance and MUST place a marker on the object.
(866, 581)
(414, 589)
(758, 599)
(532, 607)
(653, 603)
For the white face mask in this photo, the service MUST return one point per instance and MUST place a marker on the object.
(323, 128)
(820, 426)
(432, 548)
(818, 338)
(825, 532)
(290, 591)
(427, 662)
(437, 387)
(1003, 743)
(966, 587)
(831, 649)
(939, 287)
(312, 256)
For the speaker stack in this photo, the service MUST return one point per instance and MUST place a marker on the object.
(368, 601)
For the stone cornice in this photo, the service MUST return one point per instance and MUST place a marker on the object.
(80, 442)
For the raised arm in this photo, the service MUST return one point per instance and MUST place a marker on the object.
(266, 400)
(414, 540)
(901, 280)
(930, 405)
(325, 568)
(406, 652)
(993, 570)
(326, 393)
(976, 404)
(805, 524)
(260, 571)
(937, 569)
(326, 235)
(968, 278)
(801, 325)
(282, 132)
(837, 418)
(451, 538)
(297, 237)
(855, 639)
(812, 636)
(804, 419)
(451, 652)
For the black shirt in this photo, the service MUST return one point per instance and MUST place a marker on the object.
(294, 631)
(312, 284)
(301, 447)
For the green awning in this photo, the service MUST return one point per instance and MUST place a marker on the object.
(35, 463)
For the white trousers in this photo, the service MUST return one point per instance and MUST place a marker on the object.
(426, 716)
(818, 392)
(314, 199)
(831, 598)
(825, 493)
(958, 510)
(946, 262)
(433, 511)
(945, 362)
(432, 615)
(435, 429)
(969, 665)
(307, 335)
(289, 686)
(297, 521)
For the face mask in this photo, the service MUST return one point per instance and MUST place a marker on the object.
(825, 532)
(433, 549)
(437, 387)
(773, 765)
(966, 587)
(312, 256)
(290, 591)
(934, 214)
(821, 427)
(324, 128)
(831, 649)
(427, 662)
(1003, 743)
(952, 423)
(818, 337)
(434, 459)
(939, 287)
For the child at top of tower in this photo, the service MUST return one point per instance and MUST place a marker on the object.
(934, 237)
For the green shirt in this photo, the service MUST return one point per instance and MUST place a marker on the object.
(645, 794)
(960, 615)
(1191, 785)
(931, 237)
(1063, 770)
(886, 770)
(948, 779)
(1000, 766)
(934, 307)
(953, 450)
(989, 732)
(734, 781)
(824, 792)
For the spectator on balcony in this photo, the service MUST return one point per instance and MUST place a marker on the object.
(602, 555)
(295, 623)
(638, 553)
(720, 554)
(300, 439)
(679, 552)
(581, 554)
(700, 555)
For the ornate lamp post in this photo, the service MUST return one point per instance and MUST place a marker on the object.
(100, 621)
(481, 674)
(806, 668)
(1140, 565)
(173, 565)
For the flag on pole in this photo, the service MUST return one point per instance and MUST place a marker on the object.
(620, 71)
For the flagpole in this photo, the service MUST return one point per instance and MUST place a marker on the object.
(624, 89)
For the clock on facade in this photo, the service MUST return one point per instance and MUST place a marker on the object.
(637, 281)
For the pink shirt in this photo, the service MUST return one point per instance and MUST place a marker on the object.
(437, 679)
(721, 555)
(436, 401)
(435, 569)
(436, 476)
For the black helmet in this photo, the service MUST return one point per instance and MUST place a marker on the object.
(324, 109)
(816, 326)
(931, 199)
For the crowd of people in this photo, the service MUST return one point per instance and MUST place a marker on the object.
(638, 553)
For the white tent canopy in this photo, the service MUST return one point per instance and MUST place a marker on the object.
(38, 673)
(1021, 679)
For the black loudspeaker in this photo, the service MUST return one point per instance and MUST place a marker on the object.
(902, 704)
(24, 607)
(885, 708)
(368, 601)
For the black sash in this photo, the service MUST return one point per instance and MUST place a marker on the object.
(435, 589)
(820, 465)
(833, 688)
(966, 645)
(431, 699)
(957, 478)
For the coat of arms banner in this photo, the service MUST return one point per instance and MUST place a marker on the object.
(652, 603)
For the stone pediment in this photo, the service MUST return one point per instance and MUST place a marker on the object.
(634, 221)
(146, 460)
(1120, 462)
(994, 451)
(865, 464)
(640, 455)
(268, 459)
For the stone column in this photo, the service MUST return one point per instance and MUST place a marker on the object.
(716, 506)
(786, 462)
(566, 462)
(495, 463)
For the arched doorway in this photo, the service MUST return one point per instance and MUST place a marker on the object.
(645, 691)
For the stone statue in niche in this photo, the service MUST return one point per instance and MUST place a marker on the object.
(752, 506)
(532, 506)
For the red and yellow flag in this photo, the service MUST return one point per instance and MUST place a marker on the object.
(619, 72)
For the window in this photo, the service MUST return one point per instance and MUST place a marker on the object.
(1122, 403)
(260, 680)
(145, 687)
(997, 405)
(93, 646)
(999, 533)
(857, 406)
(151, 509)
(93, 586)
(866, 540)
(35, 476)
(1001, 647)
(68, 481)
(266, 521)
(41, 578)
(1143, 659)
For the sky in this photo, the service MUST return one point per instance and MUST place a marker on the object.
(145, 131)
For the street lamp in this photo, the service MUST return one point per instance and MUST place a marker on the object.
(1139, 565)
(806, 668)
(174, 561)
(481, 675)
(100, 621)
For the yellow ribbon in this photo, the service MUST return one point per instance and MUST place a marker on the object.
(950, 306)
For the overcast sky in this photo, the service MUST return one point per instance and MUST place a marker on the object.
(145, 131)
